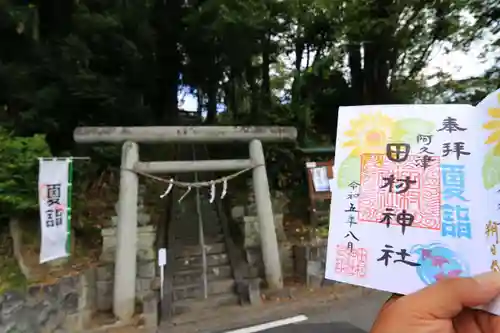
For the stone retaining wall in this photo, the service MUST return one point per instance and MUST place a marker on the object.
(69, 304)
(310, 263)
(303, 262)
(65, 306)
(146, 284)
(245, 217)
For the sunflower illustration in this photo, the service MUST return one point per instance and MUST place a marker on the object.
(494, 125)
(370, 133)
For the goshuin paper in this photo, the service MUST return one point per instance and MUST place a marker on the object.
(416, 195)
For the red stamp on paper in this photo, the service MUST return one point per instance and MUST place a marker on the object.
(351, 261)
(422, 198)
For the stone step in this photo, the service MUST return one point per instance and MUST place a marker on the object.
(193, 240)
(216, 287)
(195, 250)
(197, 261)
(212, 302)
(191, 276)
(188, 229)
(209, 222)
(192, 231)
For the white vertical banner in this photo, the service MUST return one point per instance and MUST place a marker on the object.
(54, 191)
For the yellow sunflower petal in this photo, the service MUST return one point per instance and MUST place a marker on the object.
(351, 132)
(385, 120)
(356, 122)
(492, 124)
(494, 137)
(494, 112)
(350, 143)
(355, 152)
(357, 136)
(496, 150)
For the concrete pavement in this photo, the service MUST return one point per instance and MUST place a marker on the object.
(360, 312)
(352, 315)
(350, 311)
(341, 327)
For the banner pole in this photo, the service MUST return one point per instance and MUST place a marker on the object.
(83, 158)
(70, 192)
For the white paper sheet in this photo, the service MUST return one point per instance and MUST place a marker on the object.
(320, 179)
(490, 176)
(400, 221)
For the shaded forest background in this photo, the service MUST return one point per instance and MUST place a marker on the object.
(123, 63)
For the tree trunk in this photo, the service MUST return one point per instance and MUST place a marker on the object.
(251, 75)
(370, 73)
(231, 91)
(357, 77)
(299, 55)
(211, 103)
(296, 88)
(54, 18)
(266, 80)
(17, 244)
(378, 53)
(168, 25)
(200, 102)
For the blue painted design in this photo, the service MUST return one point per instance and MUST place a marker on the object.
(453, 182)
(455, 213)
(455, 221)
(464, 230)
(448, 229)
(438, 261)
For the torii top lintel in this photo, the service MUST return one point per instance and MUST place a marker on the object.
(184, 134)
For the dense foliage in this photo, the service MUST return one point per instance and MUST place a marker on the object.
(18, 174)
(108, 62)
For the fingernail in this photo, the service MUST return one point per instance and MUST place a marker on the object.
(490, 279)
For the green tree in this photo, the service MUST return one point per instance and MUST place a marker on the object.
(19, 173)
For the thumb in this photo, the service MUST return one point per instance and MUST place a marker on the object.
(447, 298)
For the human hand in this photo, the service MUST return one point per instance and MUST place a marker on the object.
(444, 307)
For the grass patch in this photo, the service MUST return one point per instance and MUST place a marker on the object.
(11, 277)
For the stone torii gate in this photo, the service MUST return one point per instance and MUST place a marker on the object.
(125, 268)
